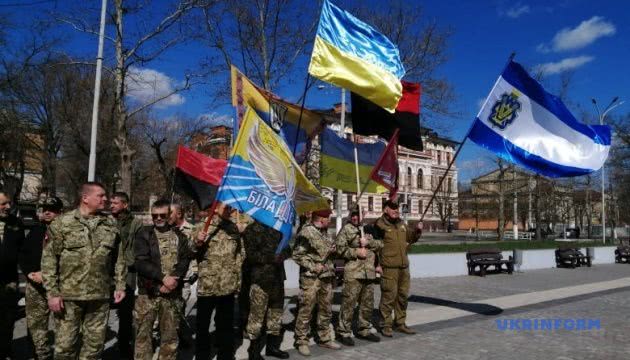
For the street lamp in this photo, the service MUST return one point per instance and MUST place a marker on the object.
(602, 115)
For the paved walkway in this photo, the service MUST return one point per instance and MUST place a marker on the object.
(460, 318)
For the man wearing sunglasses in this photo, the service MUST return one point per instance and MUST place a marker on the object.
(37, 311)
(162, 258)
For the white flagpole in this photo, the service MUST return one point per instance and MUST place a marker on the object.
(339, 218)
(97, 94)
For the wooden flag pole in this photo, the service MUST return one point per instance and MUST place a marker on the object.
(461, 145)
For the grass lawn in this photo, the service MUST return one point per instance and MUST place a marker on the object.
(502, 245)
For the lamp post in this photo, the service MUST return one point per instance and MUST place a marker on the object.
(602, 115)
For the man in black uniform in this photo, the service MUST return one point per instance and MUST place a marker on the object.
(11, 239)
(37, 311)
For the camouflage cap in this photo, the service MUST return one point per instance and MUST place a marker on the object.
(52, 203)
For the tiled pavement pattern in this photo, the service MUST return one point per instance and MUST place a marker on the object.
(476, 336)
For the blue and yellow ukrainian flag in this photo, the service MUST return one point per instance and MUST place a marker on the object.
(352, 55)
(336, 164)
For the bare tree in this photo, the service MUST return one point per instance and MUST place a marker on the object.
(423, 49)
(263, 38)
(152, 35)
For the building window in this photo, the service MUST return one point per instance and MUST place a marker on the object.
(349, 200)
(439, 157)
(420, 206)
(449, 157)
(370, 203)
(419, 180)
(449, 182)
(408, 181)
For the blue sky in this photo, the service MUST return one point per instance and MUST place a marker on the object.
(589, 38)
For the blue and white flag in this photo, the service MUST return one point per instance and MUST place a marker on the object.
(524, 124)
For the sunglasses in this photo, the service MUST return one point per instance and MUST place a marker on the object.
(159, 216)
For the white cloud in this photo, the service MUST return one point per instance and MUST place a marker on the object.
(517, 11)
(563, 65)
(147, 85)
(587, 32)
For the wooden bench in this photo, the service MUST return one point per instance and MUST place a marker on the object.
(482, 259)
(571, 257)
(622, 254)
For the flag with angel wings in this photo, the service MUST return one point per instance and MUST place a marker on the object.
(264, 181)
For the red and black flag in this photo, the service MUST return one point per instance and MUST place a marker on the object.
(198, 176)
(385, 172)
(371, 119)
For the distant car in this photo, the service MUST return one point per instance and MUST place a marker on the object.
(27, 212)
(571, 233)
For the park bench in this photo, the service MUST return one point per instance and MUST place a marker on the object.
(482, 259)
(571, 257)
(622, 254)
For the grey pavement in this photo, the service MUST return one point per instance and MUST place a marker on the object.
(456, 318)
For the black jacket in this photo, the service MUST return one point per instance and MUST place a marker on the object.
(31, 253)
(148, 263)
(12, 241)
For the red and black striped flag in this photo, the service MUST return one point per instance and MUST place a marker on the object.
(198, 176)
(371, 119)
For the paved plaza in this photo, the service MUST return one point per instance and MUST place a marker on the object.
(465, 317)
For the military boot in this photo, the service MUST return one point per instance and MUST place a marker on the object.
(273, 347)
(255, 347)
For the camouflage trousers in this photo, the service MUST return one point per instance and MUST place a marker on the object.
(167, 312)
(265, 302)
(314, 291)
(87, 319)
(37, 320)
(361, 291)
(394, 294)
(8, 304)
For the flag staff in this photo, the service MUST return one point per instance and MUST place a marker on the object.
(97, 94)
(342, 127)
(459, 149)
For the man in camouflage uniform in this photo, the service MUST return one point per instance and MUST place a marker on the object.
(37, 311)
(11, 239)
(397, 239)
(220, 255)
(314, 251)
(359, 274)
(76, 270)
(162, 258)
(266, 293)
(128, 226)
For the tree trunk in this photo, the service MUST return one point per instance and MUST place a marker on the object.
(126, 153)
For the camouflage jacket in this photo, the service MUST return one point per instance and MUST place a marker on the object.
(313, 247)
(79, 257)
(261, 243)
(128, 226)
(219, 259)
(396, 240)
(347, 246)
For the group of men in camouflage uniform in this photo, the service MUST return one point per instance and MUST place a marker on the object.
(87, 256)
(380, 253)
